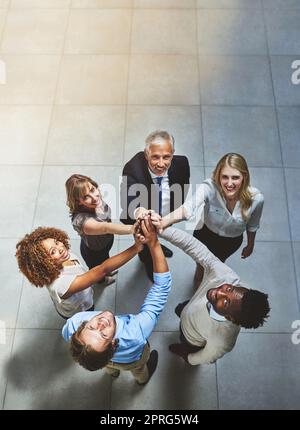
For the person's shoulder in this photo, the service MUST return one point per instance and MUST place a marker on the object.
(181, 159)
(136, 166)
(257, 195)
(209, 188)
(79, 217)
(139, 157)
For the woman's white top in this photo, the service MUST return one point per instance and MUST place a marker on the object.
(78, 302)
(209, 207)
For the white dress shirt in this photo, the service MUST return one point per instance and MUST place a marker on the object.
(165, 188)
(209, 207)
(166, 196)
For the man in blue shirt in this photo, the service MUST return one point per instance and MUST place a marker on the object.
(121, 342)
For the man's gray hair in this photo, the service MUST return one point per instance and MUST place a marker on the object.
(159, 137)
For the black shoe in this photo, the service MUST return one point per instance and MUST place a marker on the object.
(151, 364)
(167, 252)
(179, 308)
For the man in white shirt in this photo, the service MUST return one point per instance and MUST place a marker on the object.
(210, 322)
(154, 179)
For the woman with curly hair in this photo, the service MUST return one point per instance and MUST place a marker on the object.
(91, 218)
(44, 257)
(226, 206)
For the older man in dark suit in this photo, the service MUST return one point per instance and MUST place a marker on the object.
(154, 179)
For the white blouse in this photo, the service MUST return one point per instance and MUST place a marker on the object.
(209, 207)
(77, 302)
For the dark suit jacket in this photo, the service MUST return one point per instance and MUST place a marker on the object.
(136, 173)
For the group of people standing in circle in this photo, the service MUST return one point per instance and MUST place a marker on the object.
(225, 206)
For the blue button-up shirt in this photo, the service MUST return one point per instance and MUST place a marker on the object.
(132, 331)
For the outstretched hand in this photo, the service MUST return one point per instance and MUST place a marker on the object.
(146, 232)
(156, 219)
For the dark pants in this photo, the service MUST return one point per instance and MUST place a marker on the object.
(94, 258)
(190, 349)
(221, 246)
(146, 258)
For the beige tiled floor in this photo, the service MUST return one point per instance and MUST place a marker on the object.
(86, 81)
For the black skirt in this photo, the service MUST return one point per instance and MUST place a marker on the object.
(221, 246)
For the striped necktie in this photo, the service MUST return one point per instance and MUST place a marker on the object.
(158, 181)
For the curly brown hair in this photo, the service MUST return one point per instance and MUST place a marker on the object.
(33, 259)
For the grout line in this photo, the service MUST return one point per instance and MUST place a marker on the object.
(209, 166)
(159, 105)
(35, 206)
(6, 11)
(200, 89)
(283, 168)
(217, 386)
(152, 54)
(13, 337)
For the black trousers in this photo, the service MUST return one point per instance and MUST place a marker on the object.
(94, 258)
(221, 246)
(146, 258)
(187, 345)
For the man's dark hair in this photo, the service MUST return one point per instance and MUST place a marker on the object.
(254, 310)
(86, 356)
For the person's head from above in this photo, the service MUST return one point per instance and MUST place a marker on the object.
(231, 176)
(159, 151)
(41, 255)
(93, 344)
(83, 194)
(242, 306)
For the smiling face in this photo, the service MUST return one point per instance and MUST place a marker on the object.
(159, 157)
(231, 181)
(99, 331)
(56, 250)
(91, 198)
(226, 300)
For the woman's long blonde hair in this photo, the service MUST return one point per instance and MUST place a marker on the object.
(238, 162)
(76, 187)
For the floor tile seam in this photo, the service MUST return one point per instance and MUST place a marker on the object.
(132, 54)
(158, 105)
(282, 158)
(209, 166)
(127, 88)
(200, 92)
(6, 11)
(13, 337)
(39, 186)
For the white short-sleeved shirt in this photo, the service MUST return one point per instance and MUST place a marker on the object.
(78, 302)
(209, 207)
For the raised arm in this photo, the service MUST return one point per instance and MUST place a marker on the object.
(87, 279)
(93, 227)
(158, 294)
(190, 245)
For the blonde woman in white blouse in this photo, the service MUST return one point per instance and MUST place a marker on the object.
(226, 206)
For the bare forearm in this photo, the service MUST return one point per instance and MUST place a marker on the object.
(119, 260)
(119, 229)
(159, 260)
(93, 227)
(174, 217)
(251, 238)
